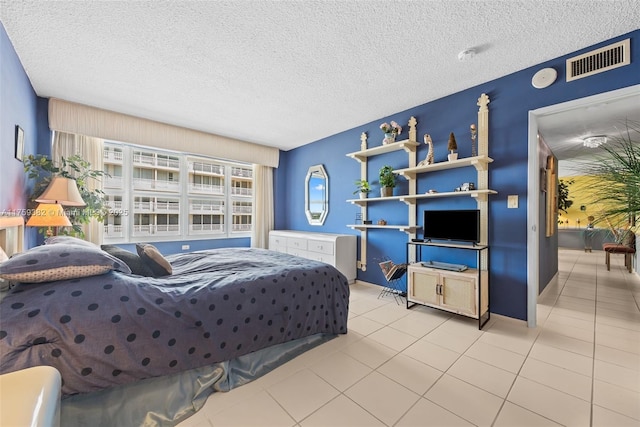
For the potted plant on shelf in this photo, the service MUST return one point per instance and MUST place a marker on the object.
(390, 132)
(387, 181)
(363, 188)
(452, 146)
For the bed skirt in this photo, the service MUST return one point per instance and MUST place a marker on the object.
(167, 401)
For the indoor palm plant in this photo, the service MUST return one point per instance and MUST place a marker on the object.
(387, 181)
(42, 169)
(617, 169)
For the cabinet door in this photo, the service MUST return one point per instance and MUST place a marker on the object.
(423, 286)
(459, 294)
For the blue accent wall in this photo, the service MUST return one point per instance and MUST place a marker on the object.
(19, 105)
(512, 97)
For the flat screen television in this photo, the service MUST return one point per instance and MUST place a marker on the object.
(452, 225)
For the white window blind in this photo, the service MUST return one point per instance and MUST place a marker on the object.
(81, 119)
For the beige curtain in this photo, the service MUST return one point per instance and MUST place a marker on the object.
(263, 215)
(91, 150)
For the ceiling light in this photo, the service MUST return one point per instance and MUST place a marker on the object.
(594, 141)
(466, 54)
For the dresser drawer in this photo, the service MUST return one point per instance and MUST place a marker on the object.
(317, 256)
(298, 252)
(320, 246)
(277, 241)
(297, 243)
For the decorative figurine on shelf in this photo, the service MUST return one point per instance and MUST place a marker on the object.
(452, 146)
(474, 134)
(363, 141)
(429, 159)
(390, 132)
(382, 222)
(466, 186)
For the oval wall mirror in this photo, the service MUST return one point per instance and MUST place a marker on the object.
(316, 200)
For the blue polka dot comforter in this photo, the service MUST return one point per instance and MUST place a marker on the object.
(116, 328)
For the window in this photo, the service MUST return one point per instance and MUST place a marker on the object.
(172, 196)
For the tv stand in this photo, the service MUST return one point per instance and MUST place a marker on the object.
(450, 287)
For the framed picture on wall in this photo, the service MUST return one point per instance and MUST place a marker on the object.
(19, 143)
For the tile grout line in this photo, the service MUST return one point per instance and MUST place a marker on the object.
(593, 358)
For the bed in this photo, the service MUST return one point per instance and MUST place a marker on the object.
(117, 329)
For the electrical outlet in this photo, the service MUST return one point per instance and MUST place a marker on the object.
(185, 247)
(512, 202)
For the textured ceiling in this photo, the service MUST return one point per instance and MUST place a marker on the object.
(564, 131)
(287, 73)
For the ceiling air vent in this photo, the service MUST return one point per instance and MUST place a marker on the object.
(599, 60)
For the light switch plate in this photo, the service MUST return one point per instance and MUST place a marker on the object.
(512, 201)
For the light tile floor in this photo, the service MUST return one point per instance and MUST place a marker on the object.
(424, 367)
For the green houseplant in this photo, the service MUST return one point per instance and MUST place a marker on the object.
(362, 187)
(563, 195)
(41, 169)
(387, 181)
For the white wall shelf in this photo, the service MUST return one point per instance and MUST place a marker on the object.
(477, 194)
(406, 145)
(479, 162)
(363, 202)
(410, 199)
(405, 228)
(480, 194)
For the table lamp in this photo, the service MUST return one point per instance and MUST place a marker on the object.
(49, 215)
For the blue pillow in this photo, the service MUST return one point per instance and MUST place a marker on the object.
(59, 261)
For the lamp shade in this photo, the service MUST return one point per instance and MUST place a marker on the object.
(49, 215)
(63, 191)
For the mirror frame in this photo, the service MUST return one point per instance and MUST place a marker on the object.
(315, 172)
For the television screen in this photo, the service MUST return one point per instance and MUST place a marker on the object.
(456, 225)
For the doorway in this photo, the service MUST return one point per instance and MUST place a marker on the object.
(566, 122)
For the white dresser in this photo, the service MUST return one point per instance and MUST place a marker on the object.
(338, 250)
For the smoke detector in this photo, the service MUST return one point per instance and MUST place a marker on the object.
(544, 78)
